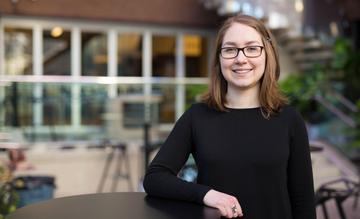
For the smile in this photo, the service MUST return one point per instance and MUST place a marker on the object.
(241, 71)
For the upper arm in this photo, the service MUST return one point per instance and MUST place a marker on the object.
(177, 147)
(300, 177)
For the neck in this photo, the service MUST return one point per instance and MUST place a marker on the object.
(243, 98)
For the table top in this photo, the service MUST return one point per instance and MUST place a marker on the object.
(11, 145)
(114, 206)
(314, 148)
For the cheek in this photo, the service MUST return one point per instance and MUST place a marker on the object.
(224, 65)
(261, 65)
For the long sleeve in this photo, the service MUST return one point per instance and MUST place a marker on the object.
(161, 177)
(300, 178)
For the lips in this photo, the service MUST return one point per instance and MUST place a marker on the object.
(242, 70)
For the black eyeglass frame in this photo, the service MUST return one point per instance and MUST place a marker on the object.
(241, 49)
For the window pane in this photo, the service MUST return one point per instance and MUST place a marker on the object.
(196, 56)
(18, 51)
(127, 114)
(93, 101)
(125, 89)
(18, 104)
(57, 51)
(129, 55)
(167, 103)
(132, 109)
(56, 104)
(94, 54)
(163, 56)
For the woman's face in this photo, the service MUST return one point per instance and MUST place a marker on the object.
(242, 72)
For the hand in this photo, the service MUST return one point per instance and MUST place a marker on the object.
(227, 204)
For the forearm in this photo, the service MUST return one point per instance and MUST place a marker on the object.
(163, 183)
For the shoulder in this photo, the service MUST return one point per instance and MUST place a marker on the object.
(293, 118)
(200, 108)
(199, 112)
(194, 110)
(194, 113)
(290, 112)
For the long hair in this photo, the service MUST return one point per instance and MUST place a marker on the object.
(270, 97)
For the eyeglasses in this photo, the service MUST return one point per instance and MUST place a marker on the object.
(248, 51)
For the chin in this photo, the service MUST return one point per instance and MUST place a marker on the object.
(243, 85)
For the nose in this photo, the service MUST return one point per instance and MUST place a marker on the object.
(241, 58)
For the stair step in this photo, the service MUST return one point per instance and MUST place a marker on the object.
(301, 45)
(313, 56)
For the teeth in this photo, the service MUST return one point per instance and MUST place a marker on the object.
(242, 71)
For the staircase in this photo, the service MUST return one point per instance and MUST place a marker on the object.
(306, 51)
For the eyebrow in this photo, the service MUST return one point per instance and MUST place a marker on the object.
(247, 43)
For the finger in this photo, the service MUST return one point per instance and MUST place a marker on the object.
(225, 212)
(229, 210)
(239, 209)
(222, 210)
(235, 215)
(234, 211)
(231, 207)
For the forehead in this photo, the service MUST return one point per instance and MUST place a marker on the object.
(241, 34)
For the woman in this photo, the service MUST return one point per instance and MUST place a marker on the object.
(251, 149)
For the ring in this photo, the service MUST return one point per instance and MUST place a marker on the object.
(234, 209)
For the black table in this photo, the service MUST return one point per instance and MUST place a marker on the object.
(114, 206)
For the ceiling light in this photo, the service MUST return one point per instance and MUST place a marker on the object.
(299, 6)
(56, 32)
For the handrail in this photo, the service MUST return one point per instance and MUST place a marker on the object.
(346, 102)
(345, 118)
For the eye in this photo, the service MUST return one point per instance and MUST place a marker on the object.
(252, 49)
(229, 49)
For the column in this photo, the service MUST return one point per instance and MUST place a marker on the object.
(75, 73)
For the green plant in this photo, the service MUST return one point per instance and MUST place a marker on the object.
(193, 92)
(301, 88)
(356, 131)
(346, 65)
(8, 197)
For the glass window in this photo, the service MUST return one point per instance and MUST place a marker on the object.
(56, 104)
(94, 54)
(56, 51)
(18, 104)
(18, 51)
(196, 56)
(93, 101)
(167, 103)
(129, 55)
(163, 56)
(125, 89)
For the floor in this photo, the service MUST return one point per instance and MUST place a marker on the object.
(80, 171)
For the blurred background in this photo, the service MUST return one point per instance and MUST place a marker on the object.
(90, 89)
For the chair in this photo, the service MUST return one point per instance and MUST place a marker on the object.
(331, 190)
(17, 160)
(122, 159)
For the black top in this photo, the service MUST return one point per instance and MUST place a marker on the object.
(114, 206)
(265, 163)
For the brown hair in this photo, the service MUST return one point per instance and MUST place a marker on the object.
(271, 99)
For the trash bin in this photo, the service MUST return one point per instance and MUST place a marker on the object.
(32, 189)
